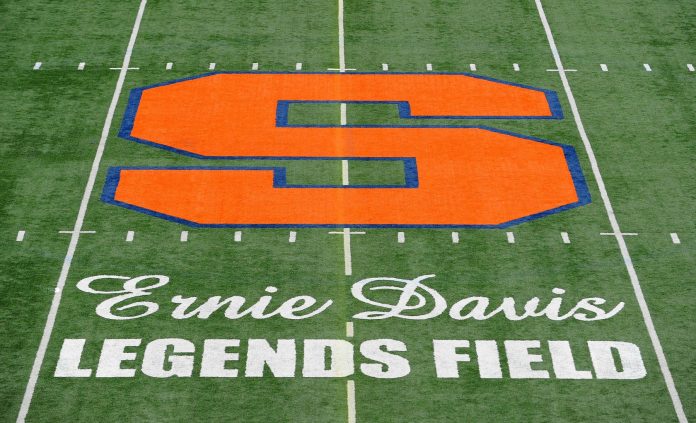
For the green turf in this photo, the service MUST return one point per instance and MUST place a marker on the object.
(641, 126)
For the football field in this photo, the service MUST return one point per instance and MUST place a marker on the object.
(348, 211)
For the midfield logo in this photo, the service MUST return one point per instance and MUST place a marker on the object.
(455, 176)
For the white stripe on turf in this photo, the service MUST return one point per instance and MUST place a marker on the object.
(628, 262)
(79, 221)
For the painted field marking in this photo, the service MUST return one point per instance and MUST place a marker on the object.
(561, 70)
(129, 236)
(169, 66)
(81, 232)
(647, 67)
(81, 66)
(211, 66)
(565, 237)
(604, 67)
(516, 67)
(293, 237)
(455, 237)
(690, 67)
(254, 66)
(429, 66)
(347, 257)
(121, 68)
(184, 236)
(20, 236)
(617, 234)
(37, 65)
(385, 67)
(510, 237)
(400, 237)
(237, 236)
(349, 330)
(350, 388)
(53, 311)
(472, 67)
(628, 262)
(675, 238)
(298, 66)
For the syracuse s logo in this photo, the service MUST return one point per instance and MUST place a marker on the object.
(456, 176)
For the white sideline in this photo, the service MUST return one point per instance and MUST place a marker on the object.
(53, 311)
(647, 318)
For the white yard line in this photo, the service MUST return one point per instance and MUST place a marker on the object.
(350, 388)
(53, 311)
(647, 318)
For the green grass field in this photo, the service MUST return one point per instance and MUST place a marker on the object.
(640, 124)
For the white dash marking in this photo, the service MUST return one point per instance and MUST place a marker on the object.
(350, 387)
(472, 67)
(237, 236)
(211, 66)
(169, 66)
(516, 67)
(565, 237)
(129, 236)
(455, 237)
(254, 66)
(385, 67)
(293, 237)
(20, 236)
(401, 237)
(604, 67)
(184, 236)
(349, 330)
(298, 66)
(429, 66)
(635, 282)
(510, 237)
(690, 67)
(37, 65)
(647, 67)
(81, 66)
(675, 238)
